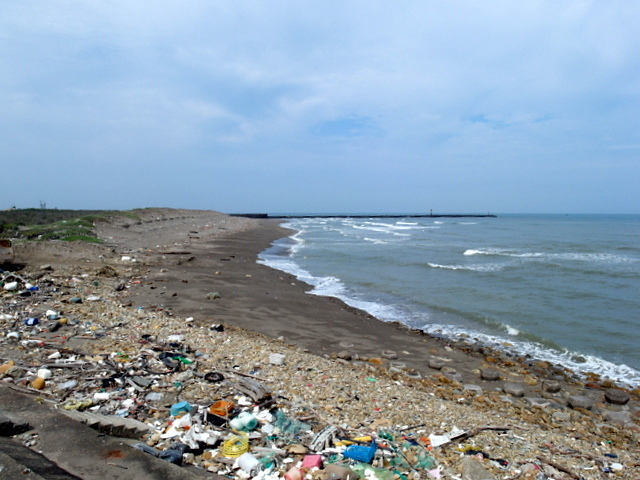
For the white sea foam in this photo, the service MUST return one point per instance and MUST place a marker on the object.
(333, 287)
(502, 253)
(576, 362)
(593, 257)
(512, 331)
(479, 267)
(383, 229)
(375, 240)
(572, 256)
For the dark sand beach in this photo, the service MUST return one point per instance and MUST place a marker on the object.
(274, 303)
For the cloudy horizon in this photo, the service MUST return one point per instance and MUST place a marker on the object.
(350, 106)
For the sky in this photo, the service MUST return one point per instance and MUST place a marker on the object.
(321, 107)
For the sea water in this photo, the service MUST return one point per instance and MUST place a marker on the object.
(563, 288)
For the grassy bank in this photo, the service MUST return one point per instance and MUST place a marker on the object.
(53, 224)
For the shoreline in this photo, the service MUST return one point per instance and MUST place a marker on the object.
(277, 304)
(181, 273)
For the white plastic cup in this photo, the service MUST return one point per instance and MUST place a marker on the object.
(44, 373)
(276, 358)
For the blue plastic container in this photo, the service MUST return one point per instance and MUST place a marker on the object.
(360, 453)
(180, 407)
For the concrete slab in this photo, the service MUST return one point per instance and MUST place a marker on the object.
(81, 451)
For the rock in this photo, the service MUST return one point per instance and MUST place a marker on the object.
(618, 418)
(561, 416)
(472, 469)
(530, 470)
(436, 363)
(538, 402)
(551, 386)
(513, 389)
(580, 401)
(212, 295)
(489, 374)
(529, 380)
(297, 449)
(107, 271)
(389, 354)
(397, 366)
(344, 355)
(616, 396)
(473, 388)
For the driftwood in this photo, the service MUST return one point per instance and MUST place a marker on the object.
(246, 375)
(252, 388)
(475, 431)
(559, 467)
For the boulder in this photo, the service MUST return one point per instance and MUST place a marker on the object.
(513, 389)
(580, 401)
(489, 374)
(616, 396)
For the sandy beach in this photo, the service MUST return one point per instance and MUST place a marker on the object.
(201, 266)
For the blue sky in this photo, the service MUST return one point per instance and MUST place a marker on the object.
(298, 106)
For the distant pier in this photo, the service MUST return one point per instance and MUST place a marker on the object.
(426, 215)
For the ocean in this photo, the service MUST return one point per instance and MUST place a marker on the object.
(562, 288)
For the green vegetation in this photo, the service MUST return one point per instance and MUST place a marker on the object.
(68, 225)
